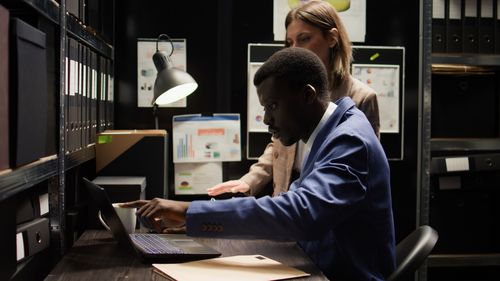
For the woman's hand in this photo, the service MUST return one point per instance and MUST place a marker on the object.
(233, 186)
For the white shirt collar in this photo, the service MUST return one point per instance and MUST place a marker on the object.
(328, 112)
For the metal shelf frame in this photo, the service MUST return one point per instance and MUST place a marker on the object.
(52, 169)
(428, 146)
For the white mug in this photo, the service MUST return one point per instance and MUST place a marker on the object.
(127, 217)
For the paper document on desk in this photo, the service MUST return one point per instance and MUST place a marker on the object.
(244, 267)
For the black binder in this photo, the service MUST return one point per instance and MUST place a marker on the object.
(454, 26)
(486, 28)
(85, 96)
(67, 128)
(109, 96)
(78, 98)
(470, 26)
(101, 111)
(4, 88)
(72, 95)
(497, 27)
(35, 237)
(28, 93)
(93, 91)
(438, 26)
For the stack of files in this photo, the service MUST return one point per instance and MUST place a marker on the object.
(82, 95)
(32, 234)
(466, 26)
(244, 267)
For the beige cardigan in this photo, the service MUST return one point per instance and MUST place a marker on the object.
(276, 163)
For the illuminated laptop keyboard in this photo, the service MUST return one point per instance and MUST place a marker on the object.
(154, 244)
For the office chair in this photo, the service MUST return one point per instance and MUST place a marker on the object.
(413, 250)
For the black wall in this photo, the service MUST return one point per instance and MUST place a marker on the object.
(217, 34)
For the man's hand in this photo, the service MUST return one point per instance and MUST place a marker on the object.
(233, 186)
(163, 214)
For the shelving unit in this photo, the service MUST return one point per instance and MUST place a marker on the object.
(443, 187)
(52, 170)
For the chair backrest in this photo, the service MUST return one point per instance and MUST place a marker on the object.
(413, 250)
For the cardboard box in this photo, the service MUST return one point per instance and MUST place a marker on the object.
(123, 189)
(138, 153)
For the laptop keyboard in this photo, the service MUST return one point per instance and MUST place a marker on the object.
(154, 244)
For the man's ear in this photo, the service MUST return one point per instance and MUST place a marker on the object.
(309, 93)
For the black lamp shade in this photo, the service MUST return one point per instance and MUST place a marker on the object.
(171, 84)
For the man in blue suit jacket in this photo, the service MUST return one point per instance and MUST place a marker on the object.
(339, 209)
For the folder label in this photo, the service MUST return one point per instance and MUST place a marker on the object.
(486, 8)
(455, 9)
(44, 204)
(456, 164)
(471, 8)
(438, 9)
(20, 246)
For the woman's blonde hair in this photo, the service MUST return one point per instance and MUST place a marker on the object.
(324, 16)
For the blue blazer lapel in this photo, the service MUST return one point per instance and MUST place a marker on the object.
(343, 105)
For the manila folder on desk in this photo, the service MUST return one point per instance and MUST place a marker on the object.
(244, 267)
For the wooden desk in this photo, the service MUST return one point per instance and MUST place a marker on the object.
(96, 256)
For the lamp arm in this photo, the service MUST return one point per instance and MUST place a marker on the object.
(155, 115)
(165, 36)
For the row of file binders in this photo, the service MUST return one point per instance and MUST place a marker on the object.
(89, 95)
(466, 26)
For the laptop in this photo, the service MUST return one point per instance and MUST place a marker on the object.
(149, 247)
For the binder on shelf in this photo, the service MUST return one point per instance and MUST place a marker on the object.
(83, 97)
(438, 26)
(465, 163)
(72, 95)
(81, 10)
(73, 7)
(28, 93)
(78, 97)
(4, 88)
(92, 14)
(86, 96)
(109, 97)
(32, 237)
(103, 85)
(486, 27)
(31, 207)
(497, 27)
(93, 93)
(470, 26)
(69, 99)
(454, 26)
(66, 98)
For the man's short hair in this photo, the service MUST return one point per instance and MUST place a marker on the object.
(297, 67)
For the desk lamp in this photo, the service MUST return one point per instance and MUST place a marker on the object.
(171, 84)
